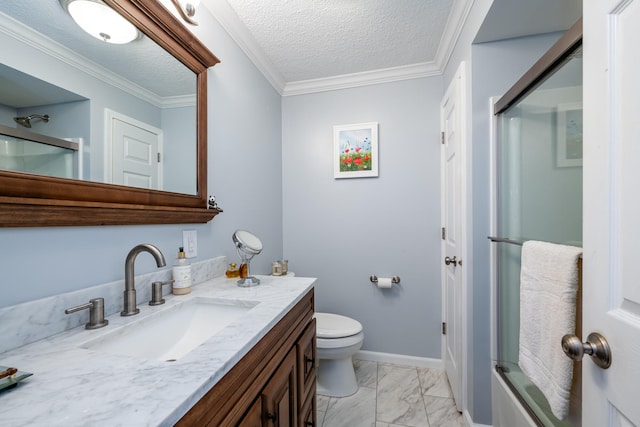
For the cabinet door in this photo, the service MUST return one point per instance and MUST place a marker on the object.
(308, 412)
(279, 398)
(253, 417)
(306, 348)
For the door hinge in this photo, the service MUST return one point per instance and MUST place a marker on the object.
(444, 233)
(159, 157)
(442, 137)
(444, 328)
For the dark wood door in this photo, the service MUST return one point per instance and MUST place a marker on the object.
(279, 397)
(253, 417)
(308, 413)
(306, 348)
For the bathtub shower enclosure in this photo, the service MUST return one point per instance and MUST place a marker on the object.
(538, 196)
(23, 151)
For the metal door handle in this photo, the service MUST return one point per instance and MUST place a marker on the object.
(453, 261)
(596, 346)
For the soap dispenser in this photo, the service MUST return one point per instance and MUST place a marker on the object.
(181, 274)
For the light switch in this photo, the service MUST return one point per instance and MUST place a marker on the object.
(190, 243)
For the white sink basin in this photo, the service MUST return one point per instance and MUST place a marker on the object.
(172, 332)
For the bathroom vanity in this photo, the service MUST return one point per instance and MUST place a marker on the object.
(259, 369)
(274, 383)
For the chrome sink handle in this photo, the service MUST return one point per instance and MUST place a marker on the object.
(96, 313)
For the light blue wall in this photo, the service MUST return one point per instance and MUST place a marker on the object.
(179, 131)
(6, 115)
(344, 230)
(245, 149)
(67, 120)
(244, 173)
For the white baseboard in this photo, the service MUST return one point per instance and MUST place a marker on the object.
(399, 359)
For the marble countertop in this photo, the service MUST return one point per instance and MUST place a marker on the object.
(72, 386)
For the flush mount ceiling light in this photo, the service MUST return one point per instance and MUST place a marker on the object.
(102, 22)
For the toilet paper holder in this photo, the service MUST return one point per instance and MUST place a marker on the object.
(374, 279)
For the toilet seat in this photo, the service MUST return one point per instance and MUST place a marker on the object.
(344, 342)
(331, 326)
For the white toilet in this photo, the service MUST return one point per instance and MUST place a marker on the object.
(338, 338)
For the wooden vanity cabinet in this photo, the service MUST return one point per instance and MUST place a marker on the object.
(279, 399)
(253, 417)
(309, 413)
(273, 385)
(306, 349)
(276, 406)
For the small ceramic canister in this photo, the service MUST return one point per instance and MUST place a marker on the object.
(276, 269)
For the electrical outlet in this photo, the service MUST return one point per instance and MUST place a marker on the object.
(190, 243)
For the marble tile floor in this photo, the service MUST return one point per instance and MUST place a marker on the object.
(392, 396)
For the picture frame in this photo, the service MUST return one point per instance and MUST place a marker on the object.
(355, 150)
(569, 135)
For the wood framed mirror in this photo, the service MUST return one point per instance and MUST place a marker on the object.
(30, 200)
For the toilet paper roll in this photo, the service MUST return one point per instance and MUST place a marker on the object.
(384, 282)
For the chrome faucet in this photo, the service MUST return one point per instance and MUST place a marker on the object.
(130, 308)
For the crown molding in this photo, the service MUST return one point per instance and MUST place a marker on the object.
(345, 81)
(229, 20)
(179, 101)
(227, 17)
(27, 35)
(452, 30)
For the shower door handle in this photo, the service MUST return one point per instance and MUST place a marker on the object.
(596, 346)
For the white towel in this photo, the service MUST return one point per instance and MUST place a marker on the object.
(548, 289)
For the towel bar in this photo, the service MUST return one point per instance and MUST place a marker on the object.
(510, 241)
(505, 240)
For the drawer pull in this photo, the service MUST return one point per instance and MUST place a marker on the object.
(271, 417)
(309, 423)
(308, 361)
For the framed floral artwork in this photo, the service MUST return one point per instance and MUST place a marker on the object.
(355, 150)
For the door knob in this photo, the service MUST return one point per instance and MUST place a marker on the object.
(453, 261)
(596, 346)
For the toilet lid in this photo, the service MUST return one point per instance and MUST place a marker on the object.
(330, 325)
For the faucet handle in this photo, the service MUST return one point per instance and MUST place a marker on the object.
(96, 313)
(156, 292)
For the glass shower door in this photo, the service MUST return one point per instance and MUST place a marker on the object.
(539, 180)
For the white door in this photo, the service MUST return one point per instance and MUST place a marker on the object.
(611, 264)
(135, 153)
(452, 130)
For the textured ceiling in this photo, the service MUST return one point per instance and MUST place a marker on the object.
(311, 45)
(311, 39)
(304, 46)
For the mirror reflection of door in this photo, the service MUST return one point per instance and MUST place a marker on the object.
(136, 153)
